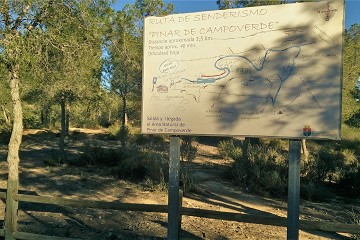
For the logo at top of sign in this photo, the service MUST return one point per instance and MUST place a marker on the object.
(328, 13)
(307, 130)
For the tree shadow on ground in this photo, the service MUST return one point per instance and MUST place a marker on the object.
(222, 194)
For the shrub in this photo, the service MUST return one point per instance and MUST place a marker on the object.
(149, 141)
(228, 150)
(124, 136)
(157, 165)
(187, 181)
(355, 219)
(350, 183)
(264, 171)
(314, 191)
(114, 130)
(328, 163)
(96, 155)
(349, 165)
(325, 165)
(137, 164)
(188, 148)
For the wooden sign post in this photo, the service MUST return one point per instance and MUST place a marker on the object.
(293, 190)
(173, 195)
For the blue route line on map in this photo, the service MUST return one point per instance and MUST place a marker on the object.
(207, 80)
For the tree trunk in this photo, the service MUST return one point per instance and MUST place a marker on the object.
(304, 149)
(123, 131)
(13, 155)
(62, 153)
(45, 116)
(67, 120)
(123, 115)
(109, 115)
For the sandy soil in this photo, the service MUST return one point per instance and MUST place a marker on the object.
(95, 183)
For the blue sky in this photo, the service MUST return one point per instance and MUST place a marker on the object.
(352, 10)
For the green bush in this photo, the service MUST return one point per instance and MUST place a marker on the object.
(131, 166)
(350, 166)
(355, 219)
(187, 181)
(314, 191)
(114, 130)
(264, 171)
(228, 150)
(149, 140)
(156, 164)
(96, 155)
(188, 148)
(331, 165)
(136, 164)
(323, 165)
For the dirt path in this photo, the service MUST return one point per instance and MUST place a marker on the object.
(94, 183)
(220, 195)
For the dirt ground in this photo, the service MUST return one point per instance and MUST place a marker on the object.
(94, 183)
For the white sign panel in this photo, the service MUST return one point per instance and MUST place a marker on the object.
(271, 71)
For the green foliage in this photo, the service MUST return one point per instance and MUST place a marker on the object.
(355, 219)
(137, 164)
(4, 92)
(350, 133)
(131, 165)
(314, 191)
(335, 164)
(188, 151)
(225, 4)
(187, 181)
(124, 136)
(330, 164)
(350, 108)
(156, 164)
(264, 170)
(228, 150)
(150, 185)
(188, 148)
(31, 117)
(144, 159)
(114, 130)
(328, 161)
(354, 120)
(96, 155)
(153, 141)
(125, 40)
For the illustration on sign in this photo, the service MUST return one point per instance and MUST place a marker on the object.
(264, 71)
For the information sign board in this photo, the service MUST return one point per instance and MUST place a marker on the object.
(269, 71)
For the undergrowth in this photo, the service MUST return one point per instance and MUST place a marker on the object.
(331, 168)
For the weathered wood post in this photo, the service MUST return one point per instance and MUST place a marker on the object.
(173, 196)
(294, 190)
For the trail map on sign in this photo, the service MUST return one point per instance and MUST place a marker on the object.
(272, 71)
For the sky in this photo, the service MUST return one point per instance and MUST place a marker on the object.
(352, 8)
